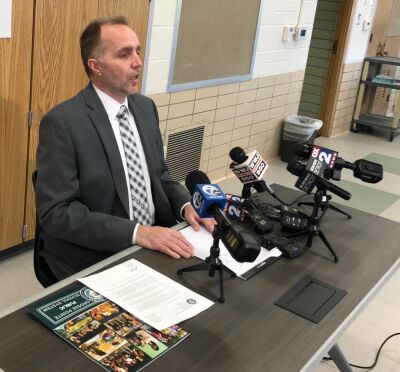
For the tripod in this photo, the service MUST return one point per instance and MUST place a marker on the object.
(259, 186)
(321, 203)
(325, 201)
(212, 263)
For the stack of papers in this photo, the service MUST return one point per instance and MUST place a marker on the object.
(202, 241)
(151, 296)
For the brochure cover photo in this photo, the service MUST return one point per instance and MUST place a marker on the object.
(104, 331)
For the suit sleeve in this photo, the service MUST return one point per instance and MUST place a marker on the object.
(60, 210)
(176, 193)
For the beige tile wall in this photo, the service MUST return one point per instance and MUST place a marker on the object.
(346, 98)
(248, 114)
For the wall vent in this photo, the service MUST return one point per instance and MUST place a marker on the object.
(184, 152)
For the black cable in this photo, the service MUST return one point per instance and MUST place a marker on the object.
(298, 198)
(277, 198)
(273, 194)
(377, 354)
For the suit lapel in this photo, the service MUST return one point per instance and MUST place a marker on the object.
(100, 120)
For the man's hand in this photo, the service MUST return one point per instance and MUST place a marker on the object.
(194, 220)
(165, 240)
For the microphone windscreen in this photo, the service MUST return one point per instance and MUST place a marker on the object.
(194, 178)
(238, 155)
(294, 168)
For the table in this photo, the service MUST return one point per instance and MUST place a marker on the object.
(248, 332)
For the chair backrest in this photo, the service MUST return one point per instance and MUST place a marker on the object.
(42, 270)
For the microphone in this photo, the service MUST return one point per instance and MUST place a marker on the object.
(250, 171)
(308, 180)
(234, 207)
(247, 168)
(208, 200)
(321, 160)
(368, 171)
(364, 170)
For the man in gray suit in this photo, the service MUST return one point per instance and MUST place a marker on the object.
(102, 182)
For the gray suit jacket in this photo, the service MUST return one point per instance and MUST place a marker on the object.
(81, 190)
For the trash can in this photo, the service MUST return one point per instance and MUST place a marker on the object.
(297, 129)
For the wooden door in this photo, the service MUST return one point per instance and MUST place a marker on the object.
(58, 73)
(15, 72)
(336, 62)
(385, 41)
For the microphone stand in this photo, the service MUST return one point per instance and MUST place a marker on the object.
(320, 204)
(259, 186)
(335, 175)
(212, 263)
(325, 201)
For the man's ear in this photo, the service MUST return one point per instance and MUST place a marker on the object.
(94, 66)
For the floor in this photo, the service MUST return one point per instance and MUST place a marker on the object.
(380, 319)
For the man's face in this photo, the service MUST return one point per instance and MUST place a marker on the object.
(118, 65)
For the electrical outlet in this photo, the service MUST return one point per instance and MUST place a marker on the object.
(301, 32)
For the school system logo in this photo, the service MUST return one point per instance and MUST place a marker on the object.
(91, 295)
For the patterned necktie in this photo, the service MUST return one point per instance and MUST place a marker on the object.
(137, 183)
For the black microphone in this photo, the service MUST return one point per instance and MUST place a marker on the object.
(368, 171)
(308, 180)
(238, 155)
(207, 200)
(195, 177)
(250, 170)
(364, 170)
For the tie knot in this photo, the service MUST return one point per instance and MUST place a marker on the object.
(122, 113)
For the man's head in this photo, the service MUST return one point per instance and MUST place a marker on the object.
(110, 52)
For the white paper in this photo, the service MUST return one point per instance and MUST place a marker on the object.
(202, 241)
(5, 18)
(147, 294)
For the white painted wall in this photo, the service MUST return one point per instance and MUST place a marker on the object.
(359, 38)
(272, 56)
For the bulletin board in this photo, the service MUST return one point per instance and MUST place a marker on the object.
(214, 42)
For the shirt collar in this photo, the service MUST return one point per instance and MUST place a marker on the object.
(110, 104)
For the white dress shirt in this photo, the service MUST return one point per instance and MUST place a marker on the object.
(112, 107)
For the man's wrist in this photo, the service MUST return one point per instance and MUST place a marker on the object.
(183, 210)
(134, 234)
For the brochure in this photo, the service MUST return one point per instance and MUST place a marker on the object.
(104, 331)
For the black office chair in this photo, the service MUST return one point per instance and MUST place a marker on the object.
(42, 270)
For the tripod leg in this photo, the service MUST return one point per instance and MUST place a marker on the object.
(221, 285)
(229, 271)
(336, 209)
(298, 233)
(310, 238)
(305, 203)
(198, 267)
(323, 238)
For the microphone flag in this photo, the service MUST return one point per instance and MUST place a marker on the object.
(321, 158)
(206, 196)
(252, 169)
